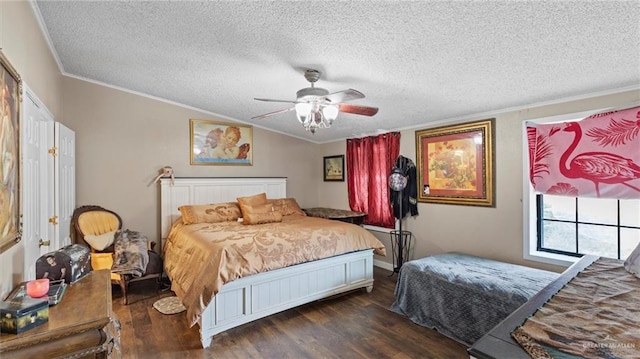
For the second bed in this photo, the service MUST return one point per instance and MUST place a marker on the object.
(463, 296)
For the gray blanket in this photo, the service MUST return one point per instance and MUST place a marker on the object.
(130, 253)
(463, 296)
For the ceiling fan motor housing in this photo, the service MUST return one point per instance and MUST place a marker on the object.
(312, 75)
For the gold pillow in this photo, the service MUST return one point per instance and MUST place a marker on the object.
(255, 209)
(253, 200)
(210, 213)
(259, 214)
(288, 206)
(261, 218)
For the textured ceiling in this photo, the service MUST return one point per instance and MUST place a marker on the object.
(419, 62)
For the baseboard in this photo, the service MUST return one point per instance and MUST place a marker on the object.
(383, 265)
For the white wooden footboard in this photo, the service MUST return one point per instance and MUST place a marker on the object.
(260, 295)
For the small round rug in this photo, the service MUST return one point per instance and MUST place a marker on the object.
(169, 305)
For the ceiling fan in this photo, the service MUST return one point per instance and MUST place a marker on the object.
(317, 108)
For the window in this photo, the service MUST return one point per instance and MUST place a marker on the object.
(558, 229)
(576, 226)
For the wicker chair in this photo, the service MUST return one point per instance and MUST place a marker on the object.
(96, 220)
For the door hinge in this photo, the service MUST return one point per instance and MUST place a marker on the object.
(54, 220)
(53, 151)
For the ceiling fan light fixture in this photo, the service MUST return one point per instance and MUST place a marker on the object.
(316, 108)
(330, 113)
(303, 112)
(318, 120)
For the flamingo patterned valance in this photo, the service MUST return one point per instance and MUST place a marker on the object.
(598, 156)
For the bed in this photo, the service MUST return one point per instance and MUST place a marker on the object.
(229, 273)
(464, 296)
(590, 311)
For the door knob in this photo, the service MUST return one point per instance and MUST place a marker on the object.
(46, 243)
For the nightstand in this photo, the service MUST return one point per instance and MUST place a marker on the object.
(336, 214)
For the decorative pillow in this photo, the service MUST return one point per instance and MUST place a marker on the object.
(101, 241)
(261, 218)
(253, 200)
(288, 206)
(259, 214)
(210, 213)
(256, 209)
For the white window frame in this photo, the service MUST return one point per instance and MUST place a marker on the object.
(529, 210)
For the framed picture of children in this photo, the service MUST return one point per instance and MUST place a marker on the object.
(220, 143)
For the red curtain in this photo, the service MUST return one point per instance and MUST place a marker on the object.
(369, 164)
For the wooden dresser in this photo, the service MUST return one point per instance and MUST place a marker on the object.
(82, 325)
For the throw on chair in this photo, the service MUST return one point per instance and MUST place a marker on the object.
(128, 254)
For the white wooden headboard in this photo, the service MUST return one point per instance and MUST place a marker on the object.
(210, 190)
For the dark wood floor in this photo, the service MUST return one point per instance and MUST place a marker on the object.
(354, 325)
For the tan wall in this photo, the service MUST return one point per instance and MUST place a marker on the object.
(123, 140)
(23, 44)
(489, 232)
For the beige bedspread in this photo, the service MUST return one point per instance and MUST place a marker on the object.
(200, 258)
(596, 315)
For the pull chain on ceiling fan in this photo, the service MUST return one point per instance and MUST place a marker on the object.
(317, 108)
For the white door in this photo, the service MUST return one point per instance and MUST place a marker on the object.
(37, 200)
(65, 182)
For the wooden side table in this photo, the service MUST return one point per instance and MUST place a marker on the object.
(337, 214)
(82, 325)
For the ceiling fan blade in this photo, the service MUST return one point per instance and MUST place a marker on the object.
(273, 113)
(345, 95)
(272, 100)
(358, 110)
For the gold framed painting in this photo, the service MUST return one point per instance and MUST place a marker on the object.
(333, 168)
(456, 164)
(220, 143)
(10, 92)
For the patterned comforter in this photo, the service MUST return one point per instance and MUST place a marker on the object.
(200, 258)
(463, 296)
(595, 315)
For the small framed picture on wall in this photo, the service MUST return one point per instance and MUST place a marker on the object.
(334, 168)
